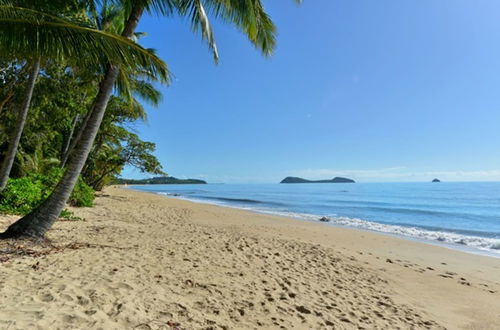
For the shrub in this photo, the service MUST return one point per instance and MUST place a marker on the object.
(82, 195)
(24, 194)
(68, 215)
(21, 195)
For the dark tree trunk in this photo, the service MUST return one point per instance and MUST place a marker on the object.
(66, 148)
(94, 152)
(20, 122)
(96, 184)
(6, 99)
(39, 221)
(77, 138)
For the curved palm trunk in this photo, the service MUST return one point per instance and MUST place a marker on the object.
(39, 221)
(71, 141)
(20, 122)
(5, 100)
(74, 141)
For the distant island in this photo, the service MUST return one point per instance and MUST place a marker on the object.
(292, 179)
(160, 180)
(436, 180)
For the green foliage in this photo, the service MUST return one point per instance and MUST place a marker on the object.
(33, 31)
(77, 40)
(24, 194)
(82, 196)
(21, 195)
(160, 180)
(68, 215)
(115, 147)
(61, 101)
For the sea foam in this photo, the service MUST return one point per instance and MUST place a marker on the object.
(481, 243)
(491, 245)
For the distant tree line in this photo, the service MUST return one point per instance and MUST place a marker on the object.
(160, 180)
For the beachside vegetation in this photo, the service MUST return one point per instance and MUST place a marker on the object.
(72, 76)
(160, 180)
(23, 194)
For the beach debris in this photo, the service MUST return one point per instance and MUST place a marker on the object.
(389, 261)
(324, 219)
(10, 249)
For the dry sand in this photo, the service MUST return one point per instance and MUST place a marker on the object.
(142, 261)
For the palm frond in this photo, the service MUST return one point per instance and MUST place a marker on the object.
(146, 91)
(129, 86)
(153, 7)
(250, 17)
(30, 33)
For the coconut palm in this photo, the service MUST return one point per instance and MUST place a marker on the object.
(34, 68)
(249, 16)
(131, 82)
(32, 34)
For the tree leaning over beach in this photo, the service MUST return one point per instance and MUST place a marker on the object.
(33, 66)
(132, 83)
(249, 16)
(31, 35)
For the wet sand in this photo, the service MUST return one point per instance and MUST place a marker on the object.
(143, 261)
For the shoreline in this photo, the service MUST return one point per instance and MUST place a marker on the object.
(449, 245)
(144, 261)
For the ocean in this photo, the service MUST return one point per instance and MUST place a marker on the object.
(461, 215)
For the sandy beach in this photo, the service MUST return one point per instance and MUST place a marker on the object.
(143, 261)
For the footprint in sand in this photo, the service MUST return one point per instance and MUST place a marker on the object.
(47, 297)
(83, 300)
(125, 286)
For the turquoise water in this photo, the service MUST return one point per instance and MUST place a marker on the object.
(457, 214)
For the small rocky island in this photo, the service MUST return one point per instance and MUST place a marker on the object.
(292, 179)
(436, 180)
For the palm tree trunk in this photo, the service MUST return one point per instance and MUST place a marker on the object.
(6, 99)
(96, 184)
(77, 138)
(39, 221)
(20, 122)
(69, 140)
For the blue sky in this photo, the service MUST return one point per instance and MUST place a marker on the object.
(386, 90)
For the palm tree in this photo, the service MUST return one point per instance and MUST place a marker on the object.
(34, 66)
(25, 31)
(249, 16)
(131, 82)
